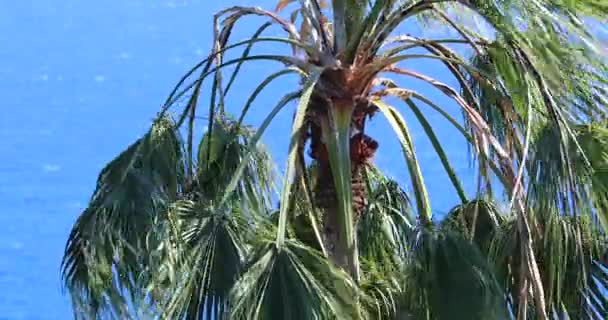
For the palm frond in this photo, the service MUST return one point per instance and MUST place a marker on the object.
(382, 291)
(87, 273)
(478, 220)
(232, 148)
(103, 259)
(386, 224)
(593, 139)
(400, 128)
(182, 90)
(305, 215)
(199, 260)
(292, 155)
(554, 188)
(405, 96)
(251, 150)
(569, 250)
(445, 272)
(292, 282)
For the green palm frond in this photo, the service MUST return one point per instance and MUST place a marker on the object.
(87, 273)
(573, 78)
(478, 220)
(103, 254)
(226, 150)
(554, 180)
(582, 189)
(292, 282)
(593, 139)
(401, 130)
(569, 250)
(445, 272)
(292, 159)
(382, 290)
(252, 148)
(305, 216)
(200, 260)
(386, 223)
(383, 232)
(568, 253)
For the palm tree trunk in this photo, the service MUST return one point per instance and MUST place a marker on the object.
(362, 149)
(327, 201)
(334, 96)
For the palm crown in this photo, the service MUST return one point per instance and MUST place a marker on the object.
(188, 230)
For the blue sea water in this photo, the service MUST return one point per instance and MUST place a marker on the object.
(80, 80)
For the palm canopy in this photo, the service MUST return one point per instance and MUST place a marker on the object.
(181, 229)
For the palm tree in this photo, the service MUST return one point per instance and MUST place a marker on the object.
(179, 229)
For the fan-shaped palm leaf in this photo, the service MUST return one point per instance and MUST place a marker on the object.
(478, 220)
(203, 256)
(103, 254)
(292, 281)
(219, 156)
(445, 272)
(383, 233)
(569, 250)
(386, 225)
